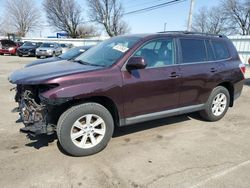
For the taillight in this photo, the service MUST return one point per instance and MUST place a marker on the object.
(243, 68)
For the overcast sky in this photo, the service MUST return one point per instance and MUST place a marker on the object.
(175, 16)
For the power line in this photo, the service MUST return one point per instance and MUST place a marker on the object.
(142, 4)
(154, 7)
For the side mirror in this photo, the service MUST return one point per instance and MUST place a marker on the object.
(136, 63)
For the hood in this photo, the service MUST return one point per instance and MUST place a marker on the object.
(42, 61)
(43, 72)
(45, 48)
(27, 47)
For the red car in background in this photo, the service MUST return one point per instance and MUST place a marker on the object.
(7, 47)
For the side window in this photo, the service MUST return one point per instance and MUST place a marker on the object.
(157, 53)
(220, 50)
(210, 54)
(193, 50)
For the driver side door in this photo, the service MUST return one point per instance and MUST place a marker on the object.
(155, 88)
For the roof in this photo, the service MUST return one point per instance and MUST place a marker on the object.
(176, 33)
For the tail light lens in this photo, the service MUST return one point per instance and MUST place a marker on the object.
(243, 68)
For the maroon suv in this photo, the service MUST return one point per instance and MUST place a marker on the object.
(127, 80)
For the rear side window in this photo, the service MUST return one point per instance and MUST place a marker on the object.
(193, 50)
(220, 50)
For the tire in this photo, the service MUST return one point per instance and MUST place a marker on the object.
(1, 54)
(20, 55)
(54, 54)
(38, 57)
(217, 104)
(75, 117)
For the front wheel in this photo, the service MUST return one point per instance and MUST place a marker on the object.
(85, 129)
(217, 104)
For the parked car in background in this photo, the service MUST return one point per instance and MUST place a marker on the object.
(65, 47)
(48, 49)
(69, 55)
(127, 80)
(19, 43)
(28, 49)
(7, 47)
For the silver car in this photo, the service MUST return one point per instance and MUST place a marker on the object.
(48, 49)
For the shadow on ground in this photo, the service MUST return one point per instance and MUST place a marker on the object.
(45, 140)
(247, 82)
(41, 141)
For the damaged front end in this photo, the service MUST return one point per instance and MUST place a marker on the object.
(34, 113)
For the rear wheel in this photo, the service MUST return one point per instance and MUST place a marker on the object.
(217, 104)
(85, 129)
(38, 57)
(20, 55)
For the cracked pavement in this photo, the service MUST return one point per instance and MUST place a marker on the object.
(181, 151)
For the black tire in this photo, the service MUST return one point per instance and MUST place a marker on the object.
(207, 113)
(67, 119)
(54, 54)
(20, 55)
(38, 57)
(1, 54)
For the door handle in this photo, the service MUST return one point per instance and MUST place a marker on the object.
(174, 75)
(213, 70)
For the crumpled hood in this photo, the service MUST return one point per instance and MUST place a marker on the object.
(43, 72)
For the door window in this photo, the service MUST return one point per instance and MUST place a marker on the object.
(210, 54)
(193, 50)
(157, 53)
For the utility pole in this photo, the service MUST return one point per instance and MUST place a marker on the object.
(165, 26)
(190, 17)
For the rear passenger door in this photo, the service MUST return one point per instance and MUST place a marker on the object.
(197, 68)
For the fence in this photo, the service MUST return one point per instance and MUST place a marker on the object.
(242, 44)
(75, 42)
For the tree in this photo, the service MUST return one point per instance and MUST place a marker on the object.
(22, 16)
(237, 13)
(87, 31)
(211, 21)
(108, 13)
(64, 15)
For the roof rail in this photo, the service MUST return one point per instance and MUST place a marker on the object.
(193, 33)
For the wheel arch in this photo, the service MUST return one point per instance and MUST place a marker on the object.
(229, 86)
(108, 103)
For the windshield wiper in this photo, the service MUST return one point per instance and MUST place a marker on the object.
(86, 63)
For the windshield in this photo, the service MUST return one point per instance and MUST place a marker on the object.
(47, 45)
(29, 44)
(72, 53)
(108, 52)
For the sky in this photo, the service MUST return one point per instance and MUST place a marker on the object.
(175, 16)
